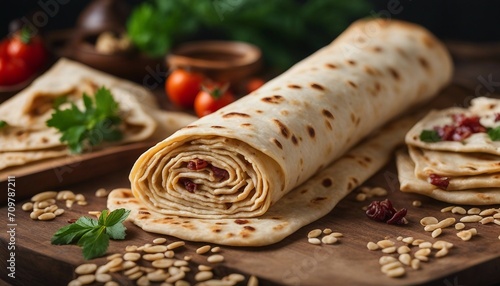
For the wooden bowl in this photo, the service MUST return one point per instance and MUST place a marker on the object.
(228, 61)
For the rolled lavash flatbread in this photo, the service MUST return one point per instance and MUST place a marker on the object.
(259, 148)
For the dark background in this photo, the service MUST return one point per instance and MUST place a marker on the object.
(464, 20)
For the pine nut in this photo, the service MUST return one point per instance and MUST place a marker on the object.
(203, 275)
(132, 271)
(408, 239)
(403, 249)
(405, 258)
(59, 212)
(215, 258)
(416, 242)
(36, 214)
(47, 216)
(253, 281)
(216, 249)
(82, 203)
(65, 195)
(177, 283)
(497, 215)
(314, 240)
(337, 234)
(102, 269)
(442, 244)
(128, 264)
(422, 257)
(391, 265)
(399, 238)
(131, 256)
(396, 272)
(423, 252)
(75, 282)
(496, 221)
(159, 240)
(442, 224)
(465, 235)
(155, 249)
(428, 220)
(471, 218)
(385, 243)
(163, 263)
(447, 209)
(153, 256)
(86, 279)
(169, 254)
(101, 193)
(458, 210)
(488, 212)
(69, 203)
(442, 252)
(314, 233)
(437, 232)
(329, 239)
(176, 277)
(372, 245)
(386, 260)
(44, 196)
(42, 205)
(202, 267)
(415, 264)
(131, 248)
(113, 256)
(79, 197)
(142, 281)
(459, 226)
(114, 262)
(135, 275)
(50, 209)
(379, 191)
(86, 268)
(187, 257)
(327, 231)
(179, 263)
(474, 211)
(175, 245)
(157, 276)
(417, 203)
(236, 277)
(103, 277)
(27, 206)
(361, 197)
(203, 249)
(390, 249)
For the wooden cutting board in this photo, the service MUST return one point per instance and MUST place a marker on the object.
(292, 261)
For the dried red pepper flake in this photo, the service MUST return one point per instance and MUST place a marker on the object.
(197, 164)
(462, 127)
(439, 181)
(497, 117)
(384, 211)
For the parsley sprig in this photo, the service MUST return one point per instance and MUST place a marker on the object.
(430, 136)
(3, 124)
(93, 235)
(99, 121)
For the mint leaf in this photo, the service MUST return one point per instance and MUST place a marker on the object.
(93, 235)
(494, 133)
(430, 136)
(98, 121)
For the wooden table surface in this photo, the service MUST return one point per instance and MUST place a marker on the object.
(292, 261)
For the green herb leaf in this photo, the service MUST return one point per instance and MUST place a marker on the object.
(494, 133)
(99, 121)
(3, 124)
(93, 235)
(430, 136)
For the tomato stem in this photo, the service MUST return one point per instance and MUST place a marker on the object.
(25, 35)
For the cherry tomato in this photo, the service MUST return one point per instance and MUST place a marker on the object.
(182, 87)
(254, 84)
(28, 48)
(211, 99)
(13, 71)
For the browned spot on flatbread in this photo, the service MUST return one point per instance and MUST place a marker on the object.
(191, 126)
(354, 180)
(274, 99)
(144, 212)
(127, 195)
(367, 159)
(428, 41)
(235, 114)
(229, 235)
(246, 125)
(402, 52)
(326, 182)
(215, 229)
(349, 185)
(277, 143)
(318, 199)
(294, 140)
(304, 191)
(284, 130)
(327, 114)
(221, 223)
(351, 83)
(228, 205)
(259, 111)
(328, 124)
(484, 197)
(294, 86)
(44, 140)
(317, 86)
(217, 127)
(377, 49)
(353, 117)
(378, 86)
(311, 131)
(351, 62)
(278, 227)
(249, 228)
(423, 62)
(241, 221)
(394, 73)
(369, 70)
(331, 66)
(284, 112)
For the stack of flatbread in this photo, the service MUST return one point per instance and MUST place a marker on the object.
(461, 171)
(277, 159)
(26, 138)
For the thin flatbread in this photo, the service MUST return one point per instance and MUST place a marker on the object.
(305, 204)
(257, 149)
(467, 196)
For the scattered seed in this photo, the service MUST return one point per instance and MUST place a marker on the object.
(471, 218)
(416, 242)
(391, 265)
(86, 279)
(447, 209)
(474, 211)
(329, 239)
(422, 257)
(132, 256)
(361, 197)
(143, 281)
(399, 238)
(82, 203)
(405, 258)
(153, 256)
(408, 239)
(113, 256)
(415, 264)
(215, 258)
(203, 275)
(372, 246)
(203, 249)
(215, 249)
(488, 212)
(442, 224)
(327, 231)
(157, 276)
(336, 234)
(459, 226)
(132, 271)
(176, 277)
(417, 203)
(44, 196)
(65, 195)
(131, 248)
(102, 269)
(50, 209)
(314, 240)
(86, 268)
(385, 243)
(59, 212)
(114, 262)
(169, 254)
(47, 216)
(253, 281)
(27, 206)
(465, 235)
(437, 232)
(128, 264)
(442, 252)
(155, 249)
(442, 244)
(496, 221)
(42, 205)
(390, 249)
(314, 233)
(187, 257)
(428, 220)
(386, 259)
(177, 283)
(159, 240)
(179, 263)
(103, 277)
(473, 231)
(75, 282)
(69, 203)
(379, 191)
(101, 193)
(497, 215)
(396, 272)
(458, 210)
(403, 249)
(135, 275)
(423, 252)
(175, 245)
(35, 214)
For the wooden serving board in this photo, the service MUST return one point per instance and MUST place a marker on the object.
(292, 261)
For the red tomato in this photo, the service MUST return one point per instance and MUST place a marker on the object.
(254, 84)
(182, 87)
(28, 48)
(211, 99)
(3, 48)
(13, 71)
